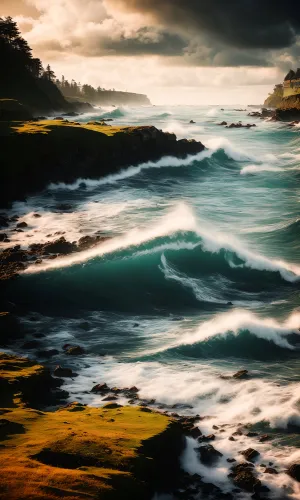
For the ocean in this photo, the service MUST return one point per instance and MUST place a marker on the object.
(199, 279)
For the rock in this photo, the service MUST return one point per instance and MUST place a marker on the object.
(100, 388)
(243, 477)
(231, 438)
(112, 406)
(250, 454)
(195, 432)
(263, 438)
(22, 224)
(75, 351)
(215, 427)
(270, 470)
(241, 374)
(31, 344)
(3, 236)
(48, 353)
(60, 246)
(4, 221)
(208, 454)
(210, 437)
(252, 434)
(223, 123)
(294, 471)
(134, 389)
(192, 122)
(37, 216)
(59, 371)
(110, 398)
(231, 460)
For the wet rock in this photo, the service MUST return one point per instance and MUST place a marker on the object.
(110, 398)
(250, 454)
(243, 477)
(47, 353)
(194, 432)
(4, 221)
(37, 216)
(75, 351)
(3, 237)
(208, 454)
(252, 434)
(59, 371)
(100, 388)
(231, 460)
(294, 471)
(223, 123)
(231, 438)
(215, 427)
(241, 374)
(192, 122)
(270, 470)
(263, 438)
(22, 224)
(210, 437)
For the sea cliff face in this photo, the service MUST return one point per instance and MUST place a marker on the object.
(35, 154)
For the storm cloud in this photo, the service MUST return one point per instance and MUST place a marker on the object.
(267, 24)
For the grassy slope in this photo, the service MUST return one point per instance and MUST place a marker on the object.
(75, 452)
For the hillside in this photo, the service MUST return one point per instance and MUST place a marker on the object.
(274, 100)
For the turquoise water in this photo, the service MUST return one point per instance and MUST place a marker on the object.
(200, 278)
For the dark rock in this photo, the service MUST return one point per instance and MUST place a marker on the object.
(210, 437)
(208, 454)
(243, 477)
(59, 371)
(294, 471)
(75, 351)
(231, 438)
(112, 406)
(110, 398)
(100, 388)
(252, 434)
(192, 122)
(31, 344)
(263, 438)
(241, 374)
(215, 427)
(37, 216)
(63, 207)
(270, 470)
(231, 460)
(3, 236)
(223, 123)
(47, 353)
(250, 454)
(194, 432)
(4, 221)
(22, 224)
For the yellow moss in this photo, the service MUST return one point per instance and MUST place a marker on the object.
(107, 440)
(15, 369)
(48, 126)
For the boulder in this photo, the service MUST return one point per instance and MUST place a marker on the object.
(100, 388)
(270, 470)
(59, 371)
(243, 477)
(241, 374)
(250, 454)
(75, 350)
(208, 454)
(22, 224)
(294, 471)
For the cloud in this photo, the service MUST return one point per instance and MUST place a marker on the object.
(259, 24)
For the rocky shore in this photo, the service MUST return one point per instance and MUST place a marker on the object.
(36, 153)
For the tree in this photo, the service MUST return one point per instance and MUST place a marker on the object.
(49, 74)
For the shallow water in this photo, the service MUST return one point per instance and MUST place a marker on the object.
(200, 278)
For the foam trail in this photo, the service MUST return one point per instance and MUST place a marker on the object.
(219, 143)
(181, 219)
(256, 169)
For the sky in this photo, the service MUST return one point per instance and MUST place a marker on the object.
(175, 51)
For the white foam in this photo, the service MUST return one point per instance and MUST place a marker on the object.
(256, 169)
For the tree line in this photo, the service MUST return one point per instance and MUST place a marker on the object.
(16, 55)
(85, 91)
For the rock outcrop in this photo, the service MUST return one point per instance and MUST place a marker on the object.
(37, 153)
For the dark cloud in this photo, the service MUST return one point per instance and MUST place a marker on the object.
(163, 44)
(268, 24)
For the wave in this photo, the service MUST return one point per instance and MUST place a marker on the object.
(180, 221)
(115, 113)
(238, 321)
(215, 146)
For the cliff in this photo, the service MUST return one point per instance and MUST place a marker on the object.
(274, 99)
(113, 97)
(35, 153)
(78, 452)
